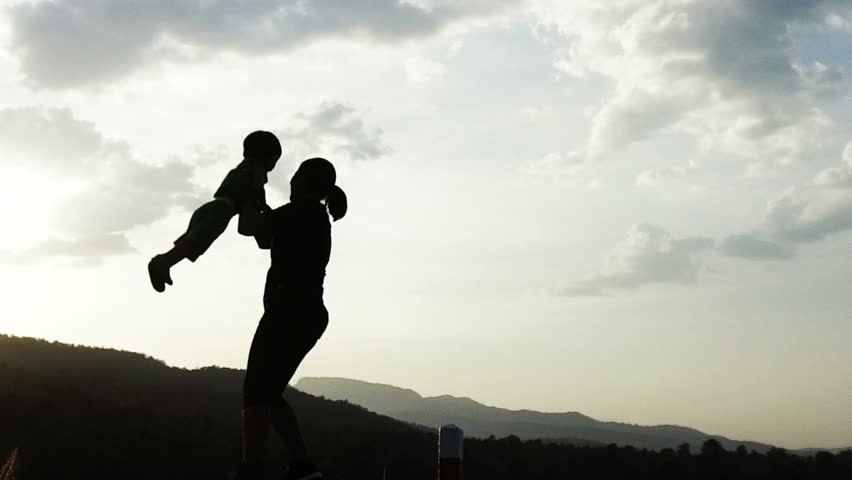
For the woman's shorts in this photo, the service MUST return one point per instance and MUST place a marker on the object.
(207, 223)
(286, 334)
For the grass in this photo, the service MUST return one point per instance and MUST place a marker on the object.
(7, 472)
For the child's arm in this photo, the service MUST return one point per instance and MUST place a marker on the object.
(251, 219)
(251, 214)
(263, 234)
(254, 223)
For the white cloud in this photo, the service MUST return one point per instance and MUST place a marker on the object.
(722, 71)
(808, 214)
(420, 70)
(118, 194)
(837, 177)
(334, 128)
(85, 251)
(653, 177)
(49, 139)
(823, 80)
(838, 22)
(555, 163)
(801, 214)
(820, 207)
(455, 48)
(66, 43)
(752, 247)
(649, 254)
(534, 114)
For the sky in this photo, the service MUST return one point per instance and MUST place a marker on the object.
(640, 210)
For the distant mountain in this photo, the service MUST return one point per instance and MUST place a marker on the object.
(478, 420)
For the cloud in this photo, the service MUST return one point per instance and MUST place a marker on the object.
(555, 163)
(85, 251)
(125, 195)
(752, 247)
(801, 214)
(653, 177)
(118, 193)
(334, 128)
(816, 209)
(66, 43)
(823, 80)
(837, 177)
(594, 184)
(722, 71)
(420, 70)
(648, 255)
(809, 214)
(48, 139)
(534, 114)
(838, 22)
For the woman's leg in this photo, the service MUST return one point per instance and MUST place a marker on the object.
(287, 426)
(257, 394)
(278, 347)
(299, 340)
(256, 419)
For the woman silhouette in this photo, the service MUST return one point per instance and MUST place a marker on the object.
(299, 237)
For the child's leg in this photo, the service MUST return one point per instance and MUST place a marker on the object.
(205, 226)
(159, 266)
(181, 251)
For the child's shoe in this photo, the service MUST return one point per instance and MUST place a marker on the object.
(159, 274)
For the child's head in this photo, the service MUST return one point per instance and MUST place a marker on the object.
(315, 179)
(262, 146)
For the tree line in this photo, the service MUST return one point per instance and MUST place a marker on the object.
(79, 412)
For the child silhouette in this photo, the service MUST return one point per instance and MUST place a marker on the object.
(240, 192)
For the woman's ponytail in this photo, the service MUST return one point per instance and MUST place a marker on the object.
(322, 176)
(336, 202)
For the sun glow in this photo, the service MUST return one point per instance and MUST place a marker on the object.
(27, 202)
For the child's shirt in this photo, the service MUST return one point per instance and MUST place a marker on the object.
(238, 187)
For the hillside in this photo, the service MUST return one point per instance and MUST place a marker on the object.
(479, 420)
(80, 412)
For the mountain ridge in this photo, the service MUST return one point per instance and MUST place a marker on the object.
(481, 420)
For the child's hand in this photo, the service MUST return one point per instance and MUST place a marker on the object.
(264, 207)
(259, 177)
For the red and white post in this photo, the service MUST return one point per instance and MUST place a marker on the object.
(450, 443)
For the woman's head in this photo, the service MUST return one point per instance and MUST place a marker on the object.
(315, 179)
